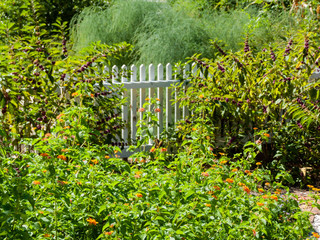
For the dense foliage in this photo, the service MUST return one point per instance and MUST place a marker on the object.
(163, 33)
(274, 89)
(222, 173)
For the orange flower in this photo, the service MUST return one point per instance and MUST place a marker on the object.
(44, 154)
(235, 170)
(62, 157)
(274, 197)
(66, 127)
(141, 110)
(276, 192)
(267, 184)
(194, 129)
(255, 128)
(94, 161)
(248, 172)
(47, 235)
(152, 149)
(74, 94)
(92, 221)
(137, 176)
(36, 182)
(92, 95)
(258, 163)
(260, 190)
(139, 195)
(163, 150)
(201, 96)
(241, 184)
(260, 204)
(205, 174)
(158, 99)
(208, 205)
(223, 162)
(229, 180)
(254, 232)
(216, 188)
(60, 115)
(147, 99)
(246, 189)
(108, 233)
(64, 150)
(63, 182)
(265, 196)
(157, 110)
(266, 134)
(106, 157)
(316, 235)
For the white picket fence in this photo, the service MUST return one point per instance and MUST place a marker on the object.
(160, 83)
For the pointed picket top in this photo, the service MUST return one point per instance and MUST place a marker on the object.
(105, 70)
(142, 73)
(194, 69)
(186, 71)
(133, 76)
(151, 73)
(124, 73)
(115, 73)
(160, 72)
(168, 71)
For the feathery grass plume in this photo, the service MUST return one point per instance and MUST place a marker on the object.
(171, 36)
(165, 33)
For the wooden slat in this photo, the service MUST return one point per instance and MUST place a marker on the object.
(150, 93)
(177, 110)
(133, 104)
(142, 90)
(124, 107)
(168, 97)
(185, 110)
(160, 97)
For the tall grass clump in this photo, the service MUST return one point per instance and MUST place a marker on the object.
(159, 32)
(264, 27)
(162, 32)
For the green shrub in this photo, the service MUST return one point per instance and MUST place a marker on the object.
(265, 90)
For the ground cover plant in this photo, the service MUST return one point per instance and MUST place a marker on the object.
(80, 190)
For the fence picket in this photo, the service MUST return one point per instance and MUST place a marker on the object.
(151, 92)
(168, 97)
(185, 110)
(142, 90)
(124, 107)
(160, 97)
(133, 103)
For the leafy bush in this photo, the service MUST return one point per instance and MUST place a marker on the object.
(268, 90)
(39, 80)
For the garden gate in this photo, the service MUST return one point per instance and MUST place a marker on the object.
(138, 86)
